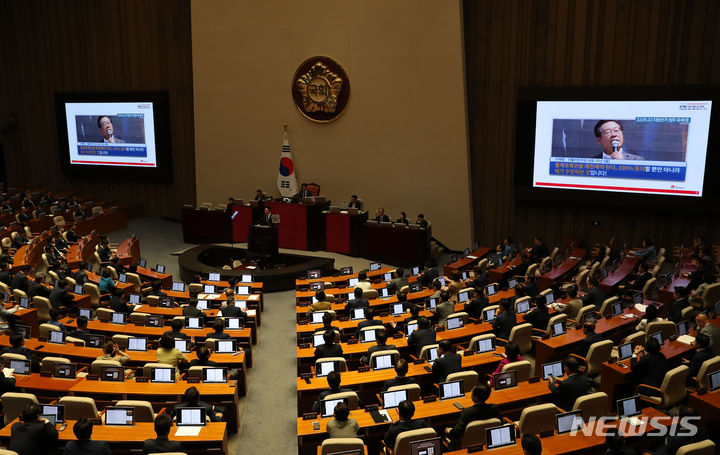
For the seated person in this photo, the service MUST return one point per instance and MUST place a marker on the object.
(54, 315)
(403, 219)
(505, 320)
(423, 336)
(329, 348)
(566, 391)
(590, 338)
(163, 424)
(429, 274)
(406, 410)
(456, 284)
(642, 277)
(369, 321)
(176, 325)
(647, 252)
(84, 445)
(595, 295)
(219, 330)
(448, 361)
(33, 435)
(203, 358)
(648, 364)
(191, 310)
(399, 279)
(37, 288)
(168, 354)
(681, 301)
(156, 289)
(512, 354)
(104, 251)
(327, 324)
(651, 315)
(80, 276)
(60, 297)
(81, 331)
(233, 311)
(702, 353)
(572, 308)
(117, 302)
(685, 434)
(475, 307)
(420, 221)
(111, 351)
(358, 302)
(401, 369)
(363, 282)
(539, 315)
(106, 281)
(342, 425)
(321, 303)
(354, 203)
(480, 410)
(531, 444)
(191, 399)
(381, 217)
(443, 309)
(17, 346)
(381, 337)
(333, 380)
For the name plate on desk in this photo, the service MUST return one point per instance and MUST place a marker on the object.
(92, 377)
(78, 343)
(304, 345)
(533, 380)
(430, 399)
(398, 335)
(371, 408)
(353, 341)
(45, 374)
(303, 322)
(467, 353)
(306, 376)
(309, 415)
(419, 361)
(141, 379)
(193, 380)
(139, 324)
(475, 448)
(363, 369)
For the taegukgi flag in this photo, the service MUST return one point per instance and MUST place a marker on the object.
(286, 181)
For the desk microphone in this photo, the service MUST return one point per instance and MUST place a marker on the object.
(615, 144)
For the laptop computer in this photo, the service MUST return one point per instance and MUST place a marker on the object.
(414, 287)
(317, 317)
(356, 314)
(178, 286)
(625, 351)
(465, 275)
(122, 278)
(714, 380)
(159, 268)
(142, 263)
(522, 307)
(415, 271)
(682, 328)
(191, 416)
(557, 329)
(193, 322)
(568, 421)
(225, 346)
(111, 373)
(313, 274)
(375, 266)
(512, 282)
(346, 270)
(554, 369)
(161, 374)
(328, 406)
(213, 277)
(134, 299)
(137, 344)
(55, 410)
(393, 399)
(78, 289)
(657, 336)
(549, 298)
(118, 318)
(23, 330)
(490, 290)
(628, 407)
(215, 375)
(485, 345)
(20, 366)
(432, 354)
(243, 290)
(431, 303)
(463, 296)
(410, 328)
(182, 345)
(94, 341)
(451, 389)
(455, 322)
(56, 336)
(387, 276)
(117, 415)
(383, 362)
(155, 320)
(209, 289)
(24, 302)
(397, 309)
(352, 282)
(501, 436)
(617, 309)
(86, 312)
(234, 323)
(505, 380)
(383, 293)
(64, 370)
(638, 298)
(489, 314)
(248, 278)
(367, 336)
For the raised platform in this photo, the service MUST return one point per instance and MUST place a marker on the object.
(277, 272)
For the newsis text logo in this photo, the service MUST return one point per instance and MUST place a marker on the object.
(640, 425)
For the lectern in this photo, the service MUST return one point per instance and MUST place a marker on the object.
(263, 240)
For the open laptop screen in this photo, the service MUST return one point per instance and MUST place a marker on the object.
(485, 345)
(505, 380)
(568, 421)
(625, 351)
(393, 399)
(523, 307)
(451, 389)
(381, 362)
(328, 406)
(56, 336)
(500, 436)
(454, 323)
(463, 296)
(217, 375)
(557, 329)
(225, 346)
(658, 337)
(119, 416)
(182, 345)
(191, 416)
(57, 410)
(213, 277)
(137, 344)
(20, 366)
(159, 374)
(714, 379)
(325, 368)
(554, 368)
(628, 407)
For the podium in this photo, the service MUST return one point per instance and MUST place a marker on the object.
(263, 240)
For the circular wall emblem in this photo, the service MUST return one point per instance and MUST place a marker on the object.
(320, 89)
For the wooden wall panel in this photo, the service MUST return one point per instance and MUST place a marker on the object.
(555, 43)
(133, 45)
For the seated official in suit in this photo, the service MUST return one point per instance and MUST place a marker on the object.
(342, 425)
(191, 310)
(358, 302)
(539, 315)
(176, 325)
(333, 380)
(163, 423)
(219, 330)
(651, 315)
(572, 308)
(595, 295)
(303, 193)
(36, 287)
(480, 410)
(406, 410)
(505, 320)
(702, 353)
(329, 348)
(420, 221)
(609, 134)
(354, 203)
(681, 301)
(448, 361)
(428, 275)
(381, 216)
(84, 446)
(17, 346)
(444, 308)
(233, 311)
(321, 303)
(327, 324)
(475, 307)
(401, 370)
(648, 364)
(191, 399)
(399, 279)
(33, 435)
(381, 337)
(648, 251)
(369, 321)
(531, 444)
(590, 338)
(566, 391)
(81, 331)
(422, 336)
(266, 219)
(403, 219)
(711, 330)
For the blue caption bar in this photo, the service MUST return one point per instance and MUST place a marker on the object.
(662, 119)
(623, 171)
(104, 150)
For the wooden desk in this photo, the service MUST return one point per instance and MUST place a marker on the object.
(205, 226)
(342, 280)
(665, 293)
(465, 262)
(107, 222)
(301, 311)
(396, 244)
(708, 407)
(614, 376)
(302, 226)
(623, 271)
(497, 274)
(122, 439)
(562, 271)
(129, 251)
(344, 232)
(149, 274)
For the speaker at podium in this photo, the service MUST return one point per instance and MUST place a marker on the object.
(263, 239)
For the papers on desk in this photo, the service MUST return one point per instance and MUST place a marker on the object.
(641, 307)
(209, 296)
(250, 267)
(687, 339)
(251, 312)
(188, 431)
(627, 316)
(634, 421)
(8, 372)
(254, 297)
(471, 256)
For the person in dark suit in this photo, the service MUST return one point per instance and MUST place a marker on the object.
(333, 380)
(702, 353)
(23, 217)
(192, 400)
(163, 423)
(684, 434)
(475, 307)
(641, 278)
(81, 331)
(116, 302)
(401, 370)
(5, 273)
(423, 336)
(203, 358)
(420, 221)
(648, 364)
(681, 301)
(70, 234)
(505, 320)
(539, 251)
(33, 435)
(303, 193)
(428, 275)
(17, 346)
(403, 219)
(539, 316)
(104, 251)
(369, 321)
(7, 384)
(381, 216)
(83, 445)
(406, 410)
(266, 219)
(232, 311)
(354, 203)
(595, 295)
(191, 310)
(480, 410)
(448, 362)
(327, 324)
(329, 349)
(176, 325)
(358, 302)
(565, 392)
(219, 330)
(36, 287)
(590, 338)
(60, 297)
(380, 343)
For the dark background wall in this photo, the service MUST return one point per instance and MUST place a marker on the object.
(49, 46)
(531, 43)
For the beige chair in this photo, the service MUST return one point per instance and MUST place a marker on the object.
(147, 368)
(341, 445)
(71, 281)
(413, 391)
(706, 447)
(667, 328)
(606, 308)
(9, 452)
(139, 318)
(352, 398)
(672, 391)
(706, 369)
(584, 311)
(521, 335)
(537, 419)
(592, 405)
(97, 211)
(43, 307)
(554, 253)
(104, 314)
(96, 365)
(19, 293)
(597, 354)
(134, 279)
(483, 265)
(78, 407)
(152, 300)
(532, 270)
(6, 242)
(395, 355)
(425, 351)
(475, 433)
(581, 280)
(75, 341)
(92, 290)
(372, 327)
(554, 320)
(402, 443)
(637, 339)
(48, 363)
(52, 277)
(594, 270)
(370, 294)
(470, 379)
(710, 296)
(490, 307)
(5, 288)
(143, 409)
(545, 265)
(14, 403)
(121, 340)
(522, 368)
(341, 362)
(196, 287)
(8, 356)
(44, 264)
(477, 338)
(650, 289)
(59, 220)
(45, 329)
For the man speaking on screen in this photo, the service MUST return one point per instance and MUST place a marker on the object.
(107, 130)
(609, 134)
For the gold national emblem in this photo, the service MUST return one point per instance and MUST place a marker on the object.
(321, 89)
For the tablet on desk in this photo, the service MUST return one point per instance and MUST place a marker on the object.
(115, 415)
(162, 374)
(393, 399)
(500, 436)
(191, 416)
